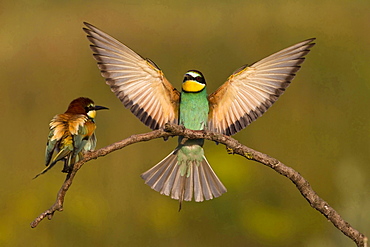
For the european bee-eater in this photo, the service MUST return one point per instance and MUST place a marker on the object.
(71, 134)
(142, 87)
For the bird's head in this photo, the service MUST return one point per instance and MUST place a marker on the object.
(193, 81)
(84, 106)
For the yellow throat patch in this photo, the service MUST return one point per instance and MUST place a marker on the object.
(91, 113)
(192, 86)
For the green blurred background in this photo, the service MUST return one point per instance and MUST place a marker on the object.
(320, 127)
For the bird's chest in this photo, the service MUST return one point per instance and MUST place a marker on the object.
(89, 128)
(194, 110)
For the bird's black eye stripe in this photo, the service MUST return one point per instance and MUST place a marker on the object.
(89, 108)
(199, 79)
(187, 77)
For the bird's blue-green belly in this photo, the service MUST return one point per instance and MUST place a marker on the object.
(194, 110)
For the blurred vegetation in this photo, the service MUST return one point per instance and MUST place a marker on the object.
(320, 126)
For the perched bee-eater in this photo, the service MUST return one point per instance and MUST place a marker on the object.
(142, 87)
(71, 134)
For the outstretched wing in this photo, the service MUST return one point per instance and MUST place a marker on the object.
(137, 82)
(251, 90)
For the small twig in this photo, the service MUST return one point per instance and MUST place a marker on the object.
(175, 130)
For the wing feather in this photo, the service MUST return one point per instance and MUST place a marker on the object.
(137, 82)
(251, 90)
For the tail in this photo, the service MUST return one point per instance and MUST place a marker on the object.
(167, 178)
(69, 161)
(45, 170)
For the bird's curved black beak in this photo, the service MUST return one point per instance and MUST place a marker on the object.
(98, 107)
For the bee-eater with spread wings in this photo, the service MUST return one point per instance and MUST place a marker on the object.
(142, 87)
(71, 134)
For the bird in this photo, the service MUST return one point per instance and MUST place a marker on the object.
(71, 134)
(143, 88)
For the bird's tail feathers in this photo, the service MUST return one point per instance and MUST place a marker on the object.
(69, 160)
(200, 181)
(45, 170)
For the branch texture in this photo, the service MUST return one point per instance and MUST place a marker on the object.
(234, 147)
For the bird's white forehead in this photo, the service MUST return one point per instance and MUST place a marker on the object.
(193, 74)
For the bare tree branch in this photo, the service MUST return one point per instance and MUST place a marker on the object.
(236, 148)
